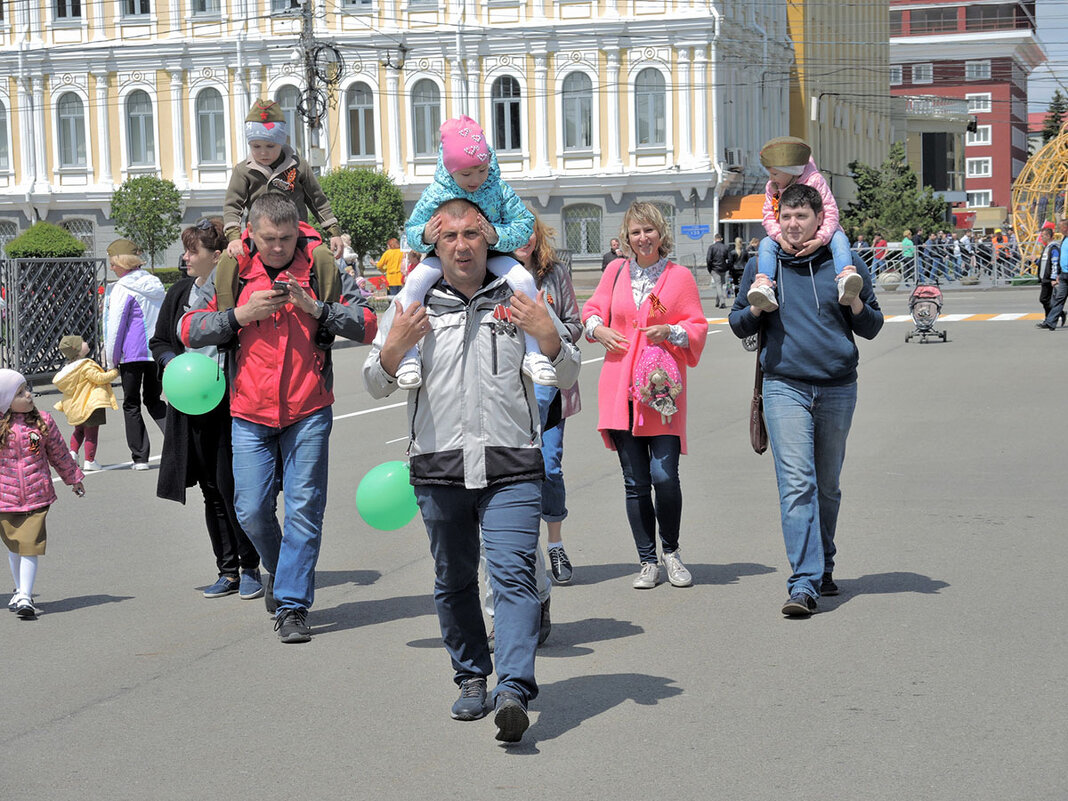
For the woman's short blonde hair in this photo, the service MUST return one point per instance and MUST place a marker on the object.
(126, 261)
(646, 213)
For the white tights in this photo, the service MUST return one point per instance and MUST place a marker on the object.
(24, 572)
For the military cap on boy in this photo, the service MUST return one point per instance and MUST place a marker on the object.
(785, 151)
(71, 347)
(123, 247)
(266, 122)
(10, 383)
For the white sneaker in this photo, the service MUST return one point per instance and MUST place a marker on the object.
(648, 577)
(540, 369)
(140, 465)
(409, 374)
(91, 465)
(677, 573)
(849, 286)
(74, 455)
(763, 298)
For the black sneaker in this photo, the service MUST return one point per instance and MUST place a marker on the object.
(546, 624)
(560, 565)
(827, 586)
(800, 605)
(471, 705)
(510, 717)
(268, 594)
(292, 626)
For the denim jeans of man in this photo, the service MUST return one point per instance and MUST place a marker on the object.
(509, 519)
(288, 552)
(807, 428)
(553, 495)
(651, 464)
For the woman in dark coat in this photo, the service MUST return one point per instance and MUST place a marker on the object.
(196, 448)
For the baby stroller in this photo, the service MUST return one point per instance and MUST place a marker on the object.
(925, 304)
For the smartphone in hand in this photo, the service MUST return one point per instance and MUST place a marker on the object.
(280, 286)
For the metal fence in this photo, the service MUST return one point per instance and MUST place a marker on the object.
(950, 262)
(44, 300)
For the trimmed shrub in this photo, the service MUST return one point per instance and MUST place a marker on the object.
(44, 241)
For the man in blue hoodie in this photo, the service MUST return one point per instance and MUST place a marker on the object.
(810, 360)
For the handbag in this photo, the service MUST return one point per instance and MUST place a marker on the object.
(758, 432)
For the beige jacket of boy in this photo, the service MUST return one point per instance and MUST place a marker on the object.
(86, 387)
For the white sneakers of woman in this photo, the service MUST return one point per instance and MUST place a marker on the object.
(648, 576)
(677, 573)
(539, 368)
(763, 298)
(409, 374)
(849, 286)
(91, 465)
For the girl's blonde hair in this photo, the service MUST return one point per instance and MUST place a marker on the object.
(646, 213)
(543, 256)
(739, 246)
(127, 261)
(32, 417)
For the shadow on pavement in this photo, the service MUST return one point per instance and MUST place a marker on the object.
(883, 584)
(334, 578)
(702, 573)
(369, 613)
(80, 602)
(566, 639)
(565, 705)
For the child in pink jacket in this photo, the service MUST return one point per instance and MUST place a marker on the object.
(29, 442)
(788, 160)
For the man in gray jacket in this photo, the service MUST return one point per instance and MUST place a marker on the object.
(475, 457)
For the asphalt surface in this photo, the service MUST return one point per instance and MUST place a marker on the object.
(938, 673)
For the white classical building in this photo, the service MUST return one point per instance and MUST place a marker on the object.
(590, 104)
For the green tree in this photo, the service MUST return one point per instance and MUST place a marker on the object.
(148, 211)
(890, 199)
(1055, 116)
(368, 206)
(43, 240)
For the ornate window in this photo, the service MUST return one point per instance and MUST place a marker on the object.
(211, 127)
(578, 113)
(505, 94)
(140, 133)
(359, 102)
(582, 229)
(426, 117)
(650, 108)
(71, 119)
(287, 98)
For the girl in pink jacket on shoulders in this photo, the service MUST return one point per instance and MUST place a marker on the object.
(29, 442)
(788, 160)
(646, 300)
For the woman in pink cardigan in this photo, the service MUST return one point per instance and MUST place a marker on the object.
(646, 300)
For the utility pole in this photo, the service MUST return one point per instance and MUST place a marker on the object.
(312, 108)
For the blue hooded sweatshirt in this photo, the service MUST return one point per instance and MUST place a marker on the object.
(810, 337)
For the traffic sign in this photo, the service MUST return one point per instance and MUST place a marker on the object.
(695, 231)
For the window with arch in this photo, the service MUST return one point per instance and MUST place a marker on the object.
(582, 229)
(505, 99)
(71, 119)
(359, 103)
(287, 98)
(650, 108)
(140, 133)
(5, 158)
(426, 117)
(577, 100)
(82, 230)
(211, 127)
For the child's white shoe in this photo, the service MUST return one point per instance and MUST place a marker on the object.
(849, 286)
(25, 609)
(91, 466)
(409, 374)
(763, 298)
(540, 369)
(74, 455)
(14, 601)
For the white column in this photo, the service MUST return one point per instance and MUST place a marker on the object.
(700, 109)
(176, 17)
(103, 128)
(27, 134)
(474, 91)
(682, 113)
(99, 32)
(539, 9)
(393, 125)
(181, 135)
(611, 9)
(457, 81)
(35, 11)
(615, 163)
(541, 113)
(41, 183)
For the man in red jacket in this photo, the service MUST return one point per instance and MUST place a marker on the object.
(280, 397)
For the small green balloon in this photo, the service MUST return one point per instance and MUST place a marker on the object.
(385, 498)
(193, 383)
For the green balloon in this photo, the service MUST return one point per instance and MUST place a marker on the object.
(194, 383)
(385, 498)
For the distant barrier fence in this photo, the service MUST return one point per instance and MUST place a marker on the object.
(43, 301)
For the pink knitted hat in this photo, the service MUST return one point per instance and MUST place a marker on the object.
(463, 144)
(10, 383)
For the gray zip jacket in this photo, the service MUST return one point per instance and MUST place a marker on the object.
(474, 421)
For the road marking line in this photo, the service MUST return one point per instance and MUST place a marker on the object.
(945, 318)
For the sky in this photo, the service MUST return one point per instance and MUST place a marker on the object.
(1053, 34)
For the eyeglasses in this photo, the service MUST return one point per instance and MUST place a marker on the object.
(204, 224)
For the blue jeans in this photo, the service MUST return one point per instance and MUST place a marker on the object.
(301, 450)
(768, 254)
(553, 494)
(650, 463)
(509, 518)
(807, 429)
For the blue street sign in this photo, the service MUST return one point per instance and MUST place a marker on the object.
(694, 231)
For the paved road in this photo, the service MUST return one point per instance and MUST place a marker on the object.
(939, 673)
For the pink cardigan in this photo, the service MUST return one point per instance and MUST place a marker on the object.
(677, 291)
(810, 177)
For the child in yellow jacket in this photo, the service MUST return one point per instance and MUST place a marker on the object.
(86, 389)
